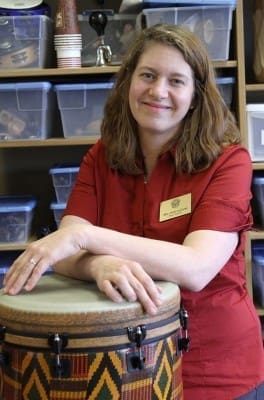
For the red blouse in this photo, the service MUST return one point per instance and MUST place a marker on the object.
(226, 358)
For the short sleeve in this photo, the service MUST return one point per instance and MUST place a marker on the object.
(225, 204)
(83, 198)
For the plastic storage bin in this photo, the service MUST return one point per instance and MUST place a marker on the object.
(225, 86)
(57, 209)
(211, 23)
(63, 179)
(27, 41)
(81, 106)
(119, 33)
(16, 213)
(258, 199)
(255, 119)
(258, 271)
(26, 110)
(6, 260)
(172, 3)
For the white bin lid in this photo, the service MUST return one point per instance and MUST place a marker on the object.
(19, 4)
(16, 203)
(258, 180)
(57, 206)
(255, 107)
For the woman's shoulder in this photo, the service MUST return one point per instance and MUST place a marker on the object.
(98, 149)
(233, 159)
(236, 152)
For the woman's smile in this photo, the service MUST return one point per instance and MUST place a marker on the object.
(156, 107)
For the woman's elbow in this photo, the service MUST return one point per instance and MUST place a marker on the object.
(195, 283)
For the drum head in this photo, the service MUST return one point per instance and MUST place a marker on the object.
(71, 305)
(19, 4)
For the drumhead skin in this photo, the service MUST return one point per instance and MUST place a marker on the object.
(62, 304)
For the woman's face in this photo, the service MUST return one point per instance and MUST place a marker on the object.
(161, 90)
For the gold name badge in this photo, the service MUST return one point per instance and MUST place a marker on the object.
(175, 207)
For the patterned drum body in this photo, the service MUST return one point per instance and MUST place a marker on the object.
(66, 340)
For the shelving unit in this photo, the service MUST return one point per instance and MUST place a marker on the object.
(254, 92)
(16, 166)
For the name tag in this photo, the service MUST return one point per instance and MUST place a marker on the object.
(176, 207)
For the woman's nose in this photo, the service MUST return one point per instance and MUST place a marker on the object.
(158, 89)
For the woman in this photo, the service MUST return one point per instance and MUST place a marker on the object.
(165, 195)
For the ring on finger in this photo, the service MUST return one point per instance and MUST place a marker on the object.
(32, 261)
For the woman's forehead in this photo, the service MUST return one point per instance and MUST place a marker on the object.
(158, 55)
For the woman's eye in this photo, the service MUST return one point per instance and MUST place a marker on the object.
(177, 82)
(148, 75)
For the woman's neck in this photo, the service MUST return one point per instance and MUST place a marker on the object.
(151, 149)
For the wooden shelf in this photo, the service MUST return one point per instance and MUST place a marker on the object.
(51, 72)
(260, 311)
(258, 165)
(50, 142)
(256, 87)
(13, 246)
(256, 234)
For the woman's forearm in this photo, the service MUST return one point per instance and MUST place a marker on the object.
(77, 266)
(191, 265)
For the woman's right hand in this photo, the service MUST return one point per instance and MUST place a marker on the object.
(42, 254)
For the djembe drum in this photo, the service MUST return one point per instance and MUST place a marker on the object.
(66, 340)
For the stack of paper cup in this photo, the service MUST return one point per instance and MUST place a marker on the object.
(68, 49)
(67, 38)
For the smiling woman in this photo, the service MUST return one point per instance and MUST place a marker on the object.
(186, 223)
(161, 94)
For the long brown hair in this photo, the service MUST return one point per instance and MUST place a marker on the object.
(206, 129)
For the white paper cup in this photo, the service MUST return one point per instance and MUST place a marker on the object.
(68, 52)
(69, 63)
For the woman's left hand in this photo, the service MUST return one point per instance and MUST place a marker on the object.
(123, 279)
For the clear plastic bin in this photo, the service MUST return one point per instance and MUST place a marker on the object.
(258, 271)
(173, 3)
(211, 23)
(26, 110)
(81, 106)
(63, 179)
(16, 213)
(58, 209)
(258, 199)
(225, 86)
(255, 119)
(6, 260)
(27, 41)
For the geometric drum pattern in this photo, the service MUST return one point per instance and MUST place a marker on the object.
(93, 375)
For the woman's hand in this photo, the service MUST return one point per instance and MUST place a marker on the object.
(42, 254)
(123, 279)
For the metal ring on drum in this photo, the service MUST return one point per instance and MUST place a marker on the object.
(66, 338)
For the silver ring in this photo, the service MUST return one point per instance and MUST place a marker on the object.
(32, 261)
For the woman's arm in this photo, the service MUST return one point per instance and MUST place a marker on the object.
(191, 265)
